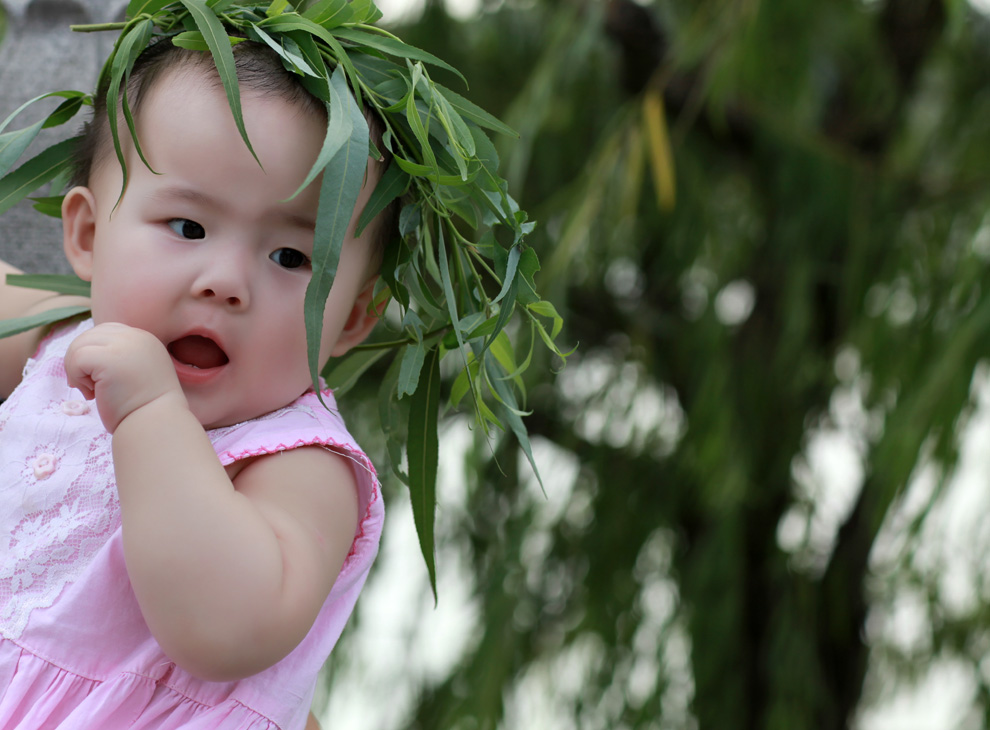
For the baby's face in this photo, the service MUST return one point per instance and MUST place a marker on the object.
(211, 256)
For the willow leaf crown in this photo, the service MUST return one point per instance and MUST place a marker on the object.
(459, 270)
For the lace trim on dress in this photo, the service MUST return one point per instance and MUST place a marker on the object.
(59, 505)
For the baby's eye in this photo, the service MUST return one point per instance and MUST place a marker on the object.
(289, 258)
(187, 228)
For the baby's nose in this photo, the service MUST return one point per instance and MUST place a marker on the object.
(224, 280)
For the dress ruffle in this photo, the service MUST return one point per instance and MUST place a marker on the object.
(38, 694)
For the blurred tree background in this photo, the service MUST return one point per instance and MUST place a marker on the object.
(766, 224)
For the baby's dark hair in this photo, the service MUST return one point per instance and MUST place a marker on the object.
(258, 69)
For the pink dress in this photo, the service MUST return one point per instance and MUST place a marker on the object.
(75, 651)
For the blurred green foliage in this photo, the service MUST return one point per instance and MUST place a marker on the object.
(820, 274)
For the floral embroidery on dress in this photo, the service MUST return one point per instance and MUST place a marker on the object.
(60, 504)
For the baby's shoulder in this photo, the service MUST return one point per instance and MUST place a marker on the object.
(310, 421)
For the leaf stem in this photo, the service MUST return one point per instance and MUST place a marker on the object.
(398, 343)
(96, 27)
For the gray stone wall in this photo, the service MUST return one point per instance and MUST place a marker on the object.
(39, 54)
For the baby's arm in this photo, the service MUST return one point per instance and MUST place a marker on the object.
(16, 301)
(229, 574)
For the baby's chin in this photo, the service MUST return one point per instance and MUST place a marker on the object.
(213, 415)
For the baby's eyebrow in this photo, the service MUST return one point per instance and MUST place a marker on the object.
(189, 195)
(197, 197)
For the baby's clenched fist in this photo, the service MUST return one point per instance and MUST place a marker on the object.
(123, 368)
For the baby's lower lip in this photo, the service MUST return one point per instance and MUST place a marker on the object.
(192, 375)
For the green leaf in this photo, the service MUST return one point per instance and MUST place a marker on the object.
(329, 13)
(36, 172)
(131, 44)
(61, 283)
(422, 453)
(412, 363)
(257, 34)
(317, 85)
(395, 257)
(474, 113)
(339, 190)
(529, 264)
(501, 348)
(10, 327)
(546, 309)
(365, 11)
(65, 111)
(394, 47)
(430, 173)
(510, 413)
(463, 381)
(25, 105)
(342, 374)
(277, 7)
(380, 74)
(512, 264)
(51, 206)
(223, 57)
(391, 185)
(292, 22)
(295, 22)
(137, 7)
(13, 144)
(193, 40)
(340, 127)
(484, 329)
(455, 127)
(393, 415)
(292, 53)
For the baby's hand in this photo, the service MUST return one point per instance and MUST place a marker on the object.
(123, 368)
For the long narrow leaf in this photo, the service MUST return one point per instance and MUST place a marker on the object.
(50, 206)
(340, 126)
(422, 453)
(131, 44)
(136, 7)
(10, 327)
(392, 184)
(65, 111)
(223, 57)
(291, 22)
(412, 365)
(510, 413)
(338, 195)
(13, 144)
(36, 172)
(329, 13)
(394, 47)
(365, 11)
(512, 264)
(61, 283)
(474, 113)
(341, 375)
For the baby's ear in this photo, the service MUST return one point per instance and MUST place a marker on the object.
(360, 321)
(79, 230)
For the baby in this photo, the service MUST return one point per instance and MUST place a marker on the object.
(211, 591)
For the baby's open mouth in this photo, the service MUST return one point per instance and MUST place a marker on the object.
(198, 352)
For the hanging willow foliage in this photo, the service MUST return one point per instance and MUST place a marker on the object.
(459, 270)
